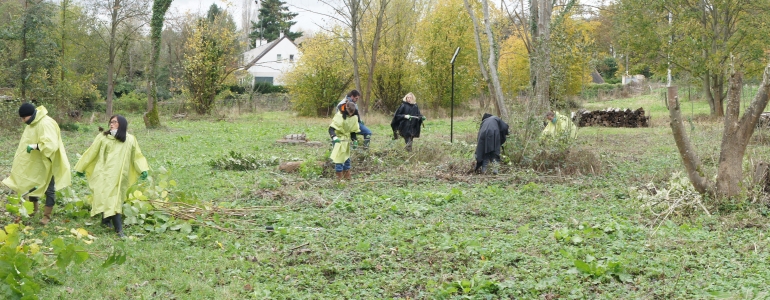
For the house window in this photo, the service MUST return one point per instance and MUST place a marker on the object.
(279, 57)
(263, 79)
(291, 57)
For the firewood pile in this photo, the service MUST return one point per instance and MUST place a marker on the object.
(612, 117)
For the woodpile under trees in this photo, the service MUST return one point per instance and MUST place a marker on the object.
(764, 120)
(612, 117)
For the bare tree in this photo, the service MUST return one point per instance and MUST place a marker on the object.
(119, 13)
(378, 28)
(351, 14)
(480, 51)
(735, 138)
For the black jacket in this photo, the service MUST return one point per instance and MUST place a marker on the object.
(407, 128)
(491, 136)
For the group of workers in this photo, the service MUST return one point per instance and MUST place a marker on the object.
(114, 161)
(407, 121)
(111, 165)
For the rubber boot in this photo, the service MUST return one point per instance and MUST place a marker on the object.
(36, 203)
(107, 222)
(339, 175)
(347, 174)
(367, 140)
(409, 144)
(117, 221)
(46, 215)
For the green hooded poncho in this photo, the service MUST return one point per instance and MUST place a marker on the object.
(562, 126)
(35, 169)
(342, 128)
(111, 167)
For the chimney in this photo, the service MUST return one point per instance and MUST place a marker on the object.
(280, 35)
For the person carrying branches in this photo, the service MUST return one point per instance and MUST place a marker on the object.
(342, 131)
(112, 164)
(407, 120)
(39, 159)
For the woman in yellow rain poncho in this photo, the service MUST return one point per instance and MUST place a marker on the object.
(344, 125)
(39, 159)
(558, 125)
(112, 164)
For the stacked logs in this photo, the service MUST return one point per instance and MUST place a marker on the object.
(612, 117)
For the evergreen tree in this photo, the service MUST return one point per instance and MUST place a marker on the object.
(274, 18)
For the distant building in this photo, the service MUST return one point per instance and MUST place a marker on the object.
(633, 78)
(268, 62)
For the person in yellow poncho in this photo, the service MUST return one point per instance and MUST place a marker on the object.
(343, 132)
(112, 164)
(39, 159)
(558, 125)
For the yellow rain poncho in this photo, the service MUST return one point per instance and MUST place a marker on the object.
(562, 126)
(111, 167)
(342, 128)
(35, 169)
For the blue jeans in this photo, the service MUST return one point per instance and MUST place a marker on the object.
(342, 167)
(364, 130)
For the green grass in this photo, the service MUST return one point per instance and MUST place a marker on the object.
(416, 226)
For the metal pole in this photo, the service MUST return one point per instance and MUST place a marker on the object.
(452, 107)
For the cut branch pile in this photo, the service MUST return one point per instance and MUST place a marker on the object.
(612, 117)
(209, 215)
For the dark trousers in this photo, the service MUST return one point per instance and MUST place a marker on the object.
(408, 140)
(50, 195)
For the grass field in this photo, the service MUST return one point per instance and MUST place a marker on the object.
(416, 225)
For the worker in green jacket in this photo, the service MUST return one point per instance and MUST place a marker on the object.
(112, 164)
(39, 159)
(558, 125)
(342, 131)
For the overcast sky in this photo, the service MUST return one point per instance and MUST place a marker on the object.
(312, 14)
(306, 19)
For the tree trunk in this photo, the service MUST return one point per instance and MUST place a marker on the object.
(111, 59)
(690, 158)
(480, 55)
(354, 8)
(499, 99)
(24, 51)
(375, 47)
(63, 32)
(540, 61)
(735, 139)
(159, 8)
(737, 134)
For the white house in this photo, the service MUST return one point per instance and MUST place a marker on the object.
(269, 61)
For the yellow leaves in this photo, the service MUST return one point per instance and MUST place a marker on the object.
(11, 228)
(81, 233)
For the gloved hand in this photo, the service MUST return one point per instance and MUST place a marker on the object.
(355, 144)
(31, 147)
(407, 117)
(143, 176)
(422, 118)
(80, 174)
(335, 140)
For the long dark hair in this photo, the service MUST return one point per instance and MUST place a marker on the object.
(122, 126)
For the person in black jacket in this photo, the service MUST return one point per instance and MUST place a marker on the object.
(491, 137)
(407, 121)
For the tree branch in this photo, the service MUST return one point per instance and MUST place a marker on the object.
(690, 158)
